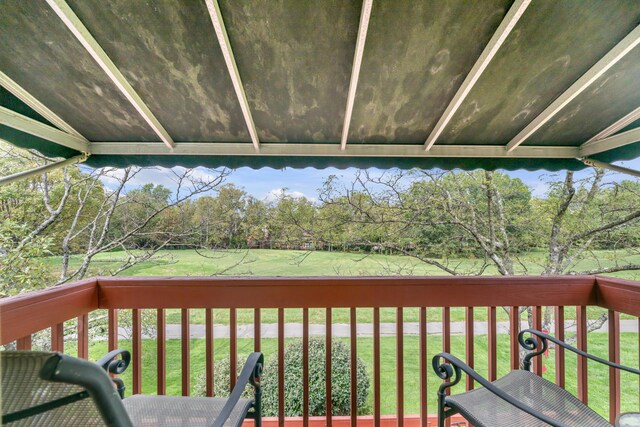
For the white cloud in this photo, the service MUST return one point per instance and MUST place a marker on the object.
(276, 193)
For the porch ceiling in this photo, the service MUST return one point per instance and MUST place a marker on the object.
(493, 84)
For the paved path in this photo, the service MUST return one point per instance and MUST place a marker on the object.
(294, 330)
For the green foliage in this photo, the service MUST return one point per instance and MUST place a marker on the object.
(21, 266)
(340, 380)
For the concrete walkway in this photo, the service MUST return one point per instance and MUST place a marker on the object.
(294, 330)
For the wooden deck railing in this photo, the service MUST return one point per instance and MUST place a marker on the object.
(24, 315)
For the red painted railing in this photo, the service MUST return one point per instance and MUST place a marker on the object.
(24, 315)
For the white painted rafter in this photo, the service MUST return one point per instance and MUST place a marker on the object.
(33, 127)
(316, 150)
(37, 106)
(363, 27)
(6, 180)
(229, 59)
(615, 141)
(504, 29)
(625, 46)
(73, 23)
(620, 124)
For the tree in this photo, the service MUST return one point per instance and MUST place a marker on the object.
(140, 214)
(70, 212)
(580, 215)
(291, 222)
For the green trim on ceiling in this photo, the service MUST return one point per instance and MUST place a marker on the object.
(257, 162)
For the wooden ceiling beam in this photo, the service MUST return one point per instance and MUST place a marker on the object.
(223, 39)
(73, 23)
(320, 150)
(33, 127)
(612, 57)
(615, 127)
(615, 141)
(504, 29)
(363, 27)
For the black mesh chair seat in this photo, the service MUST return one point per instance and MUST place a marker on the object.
(520, 398)
(169, 411)
(483, 408)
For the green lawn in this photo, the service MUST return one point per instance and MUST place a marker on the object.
(598, 376)
(263, 262)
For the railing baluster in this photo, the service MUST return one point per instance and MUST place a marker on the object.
(492, 344)
(614, 356)
(208, 349)
(514, 329)
(57, 337)
(305, 367)
(112, 328)
(376, 367)
(424, 413)
(559, 350)
(469, 337)
(83, 336)
(354, 375)
(328, 340)
(446, 342)
(400, 365)
(185, 337)
(446, 329)
(281, 367)
(24, 343)
(136, 332)
(233, 347)
(161, 351)
(581, 337)
(537, 325)
(257, 337)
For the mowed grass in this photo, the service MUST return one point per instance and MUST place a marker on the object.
(598, 375)
(264, 262)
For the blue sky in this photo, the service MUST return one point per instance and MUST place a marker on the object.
(263, 183)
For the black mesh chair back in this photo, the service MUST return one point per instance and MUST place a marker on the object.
(51, 389)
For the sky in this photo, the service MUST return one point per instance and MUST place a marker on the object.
(266, 183)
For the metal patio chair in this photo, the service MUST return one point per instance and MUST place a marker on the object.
(520, 398)
(53, 389)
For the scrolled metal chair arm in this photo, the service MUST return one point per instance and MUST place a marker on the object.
(446, 371)
(250, 374)
(455, 366)
(112, 365)
(542, 338)
(535, 346)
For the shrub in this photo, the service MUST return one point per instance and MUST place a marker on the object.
(340, 380)
(221, 380)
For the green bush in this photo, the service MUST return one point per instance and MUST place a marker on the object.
(340, 380)
(221, 380)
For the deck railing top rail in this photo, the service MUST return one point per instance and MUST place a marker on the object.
(33, 311)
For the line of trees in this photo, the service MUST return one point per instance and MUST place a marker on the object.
(436, 217)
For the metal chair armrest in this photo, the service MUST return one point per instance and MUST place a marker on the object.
(538, 346)
(114, 366)
(250, 373)
(450, 373)
(111, 365)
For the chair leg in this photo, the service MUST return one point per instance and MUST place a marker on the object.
(258, 407)
(441, 415)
